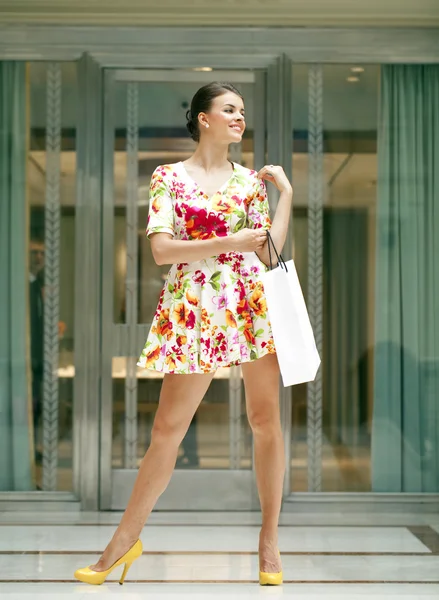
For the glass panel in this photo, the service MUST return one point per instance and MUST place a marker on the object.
(149, 131)
(51, 174)
(350, 132)
(337, 104)
(371, 418)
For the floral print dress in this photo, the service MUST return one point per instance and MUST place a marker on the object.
(211, 313)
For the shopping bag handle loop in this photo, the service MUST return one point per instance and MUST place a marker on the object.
(280, 260)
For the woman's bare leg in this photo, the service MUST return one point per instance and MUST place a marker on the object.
(179, 399)
(261, 380)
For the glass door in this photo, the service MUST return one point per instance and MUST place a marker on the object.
(144, 126)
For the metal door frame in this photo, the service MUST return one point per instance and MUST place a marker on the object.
(200, 489)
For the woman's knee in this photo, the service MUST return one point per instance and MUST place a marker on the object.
(264, 419)
(167, 430)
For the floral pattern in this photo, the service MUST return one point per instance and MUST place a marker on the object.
(211, 313)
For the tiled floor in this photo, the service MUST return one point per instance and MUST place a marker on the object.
(204, 556)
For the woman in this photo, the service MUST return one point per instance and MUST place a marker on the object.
(208, 219)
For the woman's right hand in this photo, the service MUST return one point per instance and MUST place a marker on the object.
(248, 240)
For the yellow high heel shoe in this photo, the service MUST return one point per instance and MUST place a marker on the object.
(87, 575)
(271, 578)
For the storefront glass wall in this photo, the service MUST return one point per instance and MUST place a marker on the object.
(365, 150)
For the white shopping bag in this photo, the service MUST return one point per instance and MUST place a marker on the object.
(293, 336)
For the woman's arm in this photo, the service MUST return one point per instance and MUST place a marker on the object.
(279, 227)
(167, 251)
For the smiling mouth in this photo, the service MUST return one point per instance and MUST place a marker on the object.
(236, 128)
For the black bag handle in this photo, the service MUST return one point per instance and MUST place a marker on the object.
(280, 260)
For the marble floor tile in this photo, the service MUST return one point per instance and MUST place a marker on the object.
(329, 518)
(206, 538)
(219, 592)
(230, 568)
(175, 534)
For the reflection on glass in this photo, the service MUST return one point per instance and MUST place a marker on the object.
(52, 393)
(349, 162)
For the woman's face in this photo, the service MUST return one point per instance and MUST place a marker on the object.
(226, 119)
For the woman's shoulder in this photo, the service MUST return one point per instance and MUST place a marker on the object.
(165, 171)
(250, 178)
(166, 176)
(249, 174)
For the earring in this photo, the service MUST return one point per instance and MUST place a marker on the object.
(207, 125)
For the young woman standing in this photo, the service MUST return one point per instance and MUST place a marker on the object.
(208, 218)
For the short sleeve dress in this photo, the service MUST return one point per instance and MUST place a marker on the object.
(211, 313)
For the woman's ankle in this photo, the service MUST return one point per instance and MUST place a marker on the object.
(123, 541)
(269, 533)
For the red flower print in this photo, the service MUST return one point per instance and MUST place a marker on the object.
(230, 319)
(190, 323)
(155, 206)
(181, 340)
(164, 325)
(241, 290)
(223, 258)
(170, 361)
(199, 277)
(242, 306)
(152, 356)
(220, 337)
(248, 333)
(236, 267)
(224, 205)
(258, 302)
(192, 298)
(200, 225)
(181, 313)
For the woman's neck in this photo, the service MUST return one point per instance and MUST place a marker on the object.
(209, 157)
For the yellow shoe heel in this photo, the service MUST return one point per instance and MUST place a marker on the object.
(124, 574)
(87, 575)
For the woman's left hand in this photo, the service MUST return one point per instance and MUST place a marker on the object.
(276, 175)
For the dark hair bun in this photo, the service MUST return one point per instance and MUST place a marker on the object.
(202, 102)
(192, 126)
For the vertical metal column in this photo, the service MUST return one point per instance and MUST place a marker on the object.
(107, 310)
(132, 275)
(260, 119)
(280, 147)
(86, 405)
(315, 268)
(51, 277)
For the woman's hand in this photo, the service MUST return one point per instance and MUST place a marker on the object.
(248, 240)
(276, 175)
